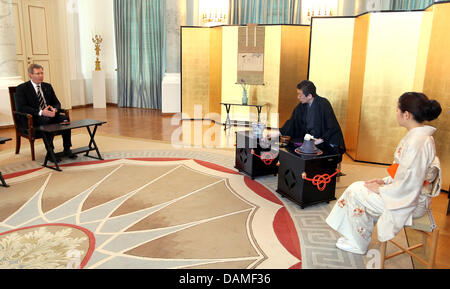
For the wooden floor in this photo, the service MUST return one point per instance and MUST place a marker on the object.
(151, 124)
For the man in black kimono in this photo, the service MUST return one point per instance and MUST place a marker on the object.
(315, 116)
(38, 98)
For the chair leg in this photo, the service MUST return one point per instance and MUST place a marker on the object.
(32, 149)
(433, 249)
(338, 179)
(17, 143)
(424, 242)
(382, 254)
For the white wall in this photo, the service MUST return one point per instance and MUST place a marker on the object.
(175, 17)
(362, 6)
(85, 19)
(9, 74)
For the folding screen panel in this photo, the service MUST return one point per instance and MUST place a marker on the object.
(330, 61)
(195, 69)
(356, 86)
(286, 53)
(362, 65)
(390, 69)
(267, 93)
(383, 56)
(270, 92)
(210, 71)
(215, 71)
(437, 82)
(295, 41)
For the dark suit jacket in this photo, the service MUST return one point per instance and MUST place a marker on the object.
(27, 99)
(325, 123)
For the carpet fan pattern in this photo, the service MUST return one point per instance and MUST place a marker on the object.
(143, 213)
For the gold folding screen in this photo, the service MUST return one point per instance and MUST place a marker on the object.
(215, 70)
(286, 56)
(391, 53)
(330, 61)
(362, 65)
(295, 42)
(209, 70)
(357, 69)
(391, 63)
(268, 93)
(437, 81)
(195, 43)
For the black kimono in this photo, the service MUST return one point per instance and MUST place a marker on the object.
(317, 120)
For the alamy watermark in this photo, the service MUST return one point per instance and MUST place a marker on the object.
(202, 132)
(375, 259)
(74, 259)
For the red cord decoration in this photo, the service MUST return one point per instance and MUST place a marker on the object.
(321, 181)
(267, 157)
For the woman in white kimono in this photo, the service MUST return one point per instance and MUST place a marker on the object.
(392, 201)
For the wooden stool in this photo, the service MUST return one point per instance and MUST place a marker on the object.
(425, 225)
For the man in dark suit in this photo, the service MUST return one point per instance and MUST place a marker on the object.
(315, 116)
(38, 98)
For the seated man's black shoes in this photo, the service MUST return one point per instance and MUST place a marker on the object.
(68, 153)
(48, 157)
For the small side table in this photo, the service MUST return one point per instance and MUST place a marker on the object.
(2, 180)
(228, 106)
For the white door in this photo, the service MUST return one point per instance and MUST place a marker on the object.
(37, 37)
(21, 48)
(35, 34)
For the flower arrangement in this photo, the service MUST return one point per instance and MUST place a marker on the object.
(245, 86)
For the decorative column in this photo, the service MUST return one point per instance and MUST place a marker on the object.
(9, 73)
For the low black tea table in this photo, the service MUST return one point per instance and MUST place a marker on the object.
(308, 179)
(256, 156)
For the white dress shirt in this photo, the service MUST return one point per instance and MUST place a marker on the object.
(42, 93)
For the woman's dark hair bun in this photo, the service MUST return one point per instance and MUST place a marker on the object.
(433, 110)
(418, 104)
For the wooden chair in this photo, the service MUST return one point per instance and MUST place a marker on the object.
(339, 167)
(23, 124)
(448, 206)
(426, 225)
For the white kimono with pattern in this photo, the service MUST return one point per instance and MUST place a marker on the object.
(358, 209)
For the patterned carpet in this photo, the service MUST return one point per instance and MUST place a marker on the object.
(144, 213)
(217, 218)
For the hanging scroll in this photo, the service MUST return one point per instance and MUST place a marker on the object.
(251, 55)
